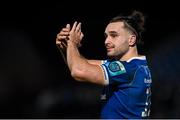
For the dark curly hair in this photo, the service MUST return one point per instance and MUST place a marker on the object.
(133, 22)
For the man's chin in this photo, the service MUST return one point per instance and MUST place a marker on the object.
(110, 55)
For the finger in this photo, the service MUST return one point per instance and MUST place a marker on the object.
(58, 42)
(78, 28)
(63, 33)
(60, 38)
(68, 27)
(74, 26)
(65, 29)
(59, 45)
(63, 44)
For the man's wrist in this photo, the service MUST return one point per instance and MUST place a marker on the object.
(69, 42)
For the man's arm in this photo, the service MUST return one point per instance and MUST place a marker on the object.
(63, 54)
(62, 47)
(61, 42)
(80, 68)
(95, 62)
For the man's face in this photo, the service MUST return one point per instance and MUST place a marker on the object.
(117, 38)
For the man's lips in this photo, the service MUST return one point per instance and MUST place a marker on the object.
(109, 48)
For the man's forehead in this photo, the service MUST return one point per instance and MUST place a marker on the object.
(116, 24)
(114, 27)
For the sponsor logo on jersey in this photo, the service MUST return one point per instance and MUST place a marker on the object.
(116, 68)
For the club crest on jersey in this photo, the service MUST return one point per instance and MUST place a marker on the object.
(116, 68)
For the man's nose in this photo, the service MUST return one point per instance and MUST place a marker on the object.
(107, 40)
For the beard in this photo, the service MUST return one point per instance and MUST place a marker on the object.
(116, 54)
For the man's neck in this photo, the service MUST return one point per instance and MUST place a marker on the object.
(131, 53)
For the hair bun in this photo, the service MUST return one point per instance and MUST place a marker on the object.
(138, 18)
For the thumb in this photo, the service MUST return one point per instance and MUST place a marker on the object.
(68, 26)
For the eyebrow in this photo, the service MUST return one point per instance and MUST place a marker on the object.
(112, 32)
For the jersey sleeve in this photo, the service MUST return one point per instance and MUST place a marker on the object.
(114, 72)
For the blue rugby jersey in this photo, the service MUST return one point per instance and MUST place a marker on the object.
(127, 93)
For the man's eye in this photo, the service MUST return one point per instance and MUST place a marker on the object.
(113, 35)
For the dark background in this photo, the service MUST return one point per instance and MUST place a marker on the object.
(34, 80)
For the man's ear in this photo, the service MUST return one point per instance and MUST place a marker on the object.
(132, 40)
